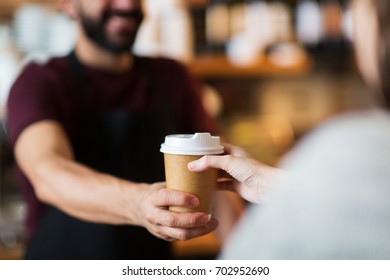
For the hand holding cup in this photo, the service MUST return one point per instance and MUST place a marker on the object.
(179, 150)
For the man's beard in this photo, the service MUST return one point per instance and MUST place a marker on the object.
(94, 29)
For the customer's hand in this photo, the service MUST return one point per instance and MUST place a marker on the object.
(169, 225)
(250, 176)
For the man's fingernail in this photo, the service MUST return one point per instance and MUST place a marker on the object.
(194, 201)
(206, 219)
(214, 224)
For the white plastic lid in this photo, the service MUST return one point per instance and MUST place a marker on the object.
(192, 144)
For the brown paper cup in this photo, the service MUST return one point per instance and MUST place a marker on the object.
(200, 184)
(179, 150)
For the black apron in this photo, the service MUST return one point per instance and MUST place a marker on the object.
(126, 144)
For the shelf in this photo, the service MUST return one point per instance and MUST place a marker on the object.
(8, 7)
(218, 66)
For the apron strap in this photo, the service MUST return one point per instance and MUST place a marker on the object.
(79, 77)
(156, 86)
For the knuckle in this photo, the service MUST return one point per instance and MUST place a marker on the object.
(225, 165)
(206, 160)
(183, 235)
(192, 221)
(152, 197)
(203, 162)
(149, 217)
(170, 220)
(175, 198)
(159, 231)
(163, 195)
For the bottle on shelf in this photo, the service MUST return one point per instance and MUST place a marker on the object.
(334, 45)
(249, 32)
(217, 25)
(280, 21)
(308, 23)
(237, 12)
(324, 28)
(167, 30)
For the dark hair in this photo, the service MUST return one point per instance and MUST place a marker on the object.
(383, 11)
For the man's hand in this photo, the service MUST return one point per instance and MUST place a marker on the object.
(44, 153)
(171, 225)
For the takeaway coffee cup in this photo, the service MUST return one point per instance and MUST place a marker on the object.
(179, 150)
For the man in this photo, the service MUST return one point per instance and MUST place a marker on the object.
(86, 131)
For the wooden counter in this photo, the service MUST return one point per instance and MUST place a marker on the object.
(207, 246)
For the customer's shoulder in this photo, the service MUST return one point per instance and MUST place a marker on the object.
(343, 135)
(360, 124)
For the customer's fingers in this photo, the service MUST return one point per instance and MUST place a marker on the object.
(234, 150)
(237, 167)
(207, 162)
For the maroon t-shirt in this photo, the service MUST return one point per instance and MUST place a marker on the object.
(50, 92)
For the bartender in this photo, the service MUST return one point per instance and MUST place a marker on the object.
(86, 131)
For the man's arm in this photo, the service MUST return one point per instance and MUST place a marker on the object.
(44, 154)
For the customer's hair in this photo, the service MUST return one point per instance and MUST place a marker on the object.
(383, 10)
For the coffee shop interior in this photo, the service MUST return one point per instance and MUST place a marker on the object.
(271, 70)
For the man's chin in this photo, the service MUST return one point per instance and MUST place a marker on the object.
(120, 43)
(115, 48)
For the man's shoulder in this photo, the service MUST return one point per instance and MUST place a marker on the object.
(50, 68)
(46, 65)
(40, 77)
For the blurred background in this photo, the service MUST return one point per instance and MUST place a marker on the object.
(271, 71)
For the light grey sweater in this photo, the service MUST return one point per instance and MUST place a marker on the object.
(335, 204)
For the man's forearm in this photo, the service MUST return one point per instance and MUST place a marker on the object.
(85, 193)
